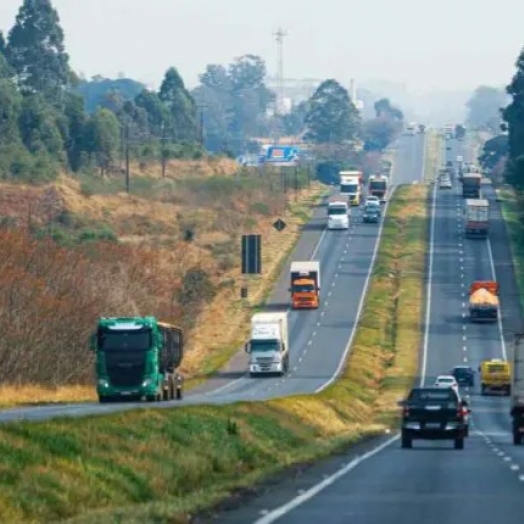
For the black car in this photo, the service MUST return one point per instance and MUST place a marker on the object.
(431, 413)
(464, 375)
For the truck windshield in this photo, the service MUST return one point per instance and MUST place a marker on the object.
(303, 288)
(109, 340)
(339, 210)
(496, 368)
(377, 185)
(265, 345)
(348, 188)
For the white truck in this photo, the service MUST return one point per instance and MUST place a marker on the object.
(338, 212)
(351, 185)
(268, 347)
(517, 390)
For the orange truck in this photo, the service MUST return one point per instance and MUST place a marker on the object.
(484, 301)
(305, 284)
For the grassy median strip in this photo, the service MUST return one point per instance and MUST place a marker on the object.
(163, 465)
(434, 152)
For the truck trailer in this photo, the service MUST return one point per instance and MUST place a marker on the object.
(484, 301)
(378, 186)
(136, 358)
(305, 284)
(477, 218)
(471, 185)
(268, 346)
(351, 185)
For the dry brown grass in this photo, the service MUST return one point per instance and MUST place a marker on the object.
(37, 394)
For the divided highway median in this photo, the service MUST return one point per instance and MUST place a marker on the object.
(163, 465)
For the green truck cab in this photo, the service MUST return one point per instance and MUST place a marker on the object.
(137, 357)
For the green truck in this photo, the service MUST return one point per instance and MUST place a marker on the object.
(137, 357)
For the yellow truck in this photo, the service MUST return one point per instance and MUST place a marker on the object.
(484, 301)
(495, 375)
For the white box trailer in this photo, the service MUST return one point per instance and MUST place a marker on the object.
(268, 346)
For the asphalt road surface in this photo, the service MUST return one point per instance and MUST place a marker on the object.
(319, 339)
(431, 483)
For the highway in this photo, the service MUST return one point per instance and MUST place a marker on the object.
(431, 483)
(319, 339)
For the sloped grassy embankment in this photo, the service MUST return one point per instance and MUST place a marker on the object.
(163, 465)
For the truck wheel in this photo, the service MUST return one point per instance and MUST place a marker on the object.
(406, 443)
(483, 390)
(153, 398)
(459, 443)
(517, 438)
(508, 391)
(104, 400)
(179, 393)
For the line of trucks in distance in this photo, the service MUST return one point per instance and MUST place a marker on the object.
(140, 357)
(484, 304)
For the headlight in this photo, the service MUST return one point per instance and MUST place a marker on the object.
(147, 382)
(103, 383)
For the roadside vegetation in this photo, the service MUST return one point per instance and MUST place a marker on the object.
(513, 214)
(198, 456)
(171, 249)
(434, 156)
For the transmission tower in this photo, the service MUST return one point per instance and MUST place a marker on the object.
(280, 35)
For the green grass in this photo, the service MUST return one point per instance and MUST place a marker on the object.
(434, 156)
(514, 218)
(161, 466)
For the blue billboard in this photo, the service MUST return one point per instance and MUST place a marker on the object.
(282, 155)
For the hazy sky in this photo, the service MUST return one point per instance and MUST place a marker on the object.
(450, 44)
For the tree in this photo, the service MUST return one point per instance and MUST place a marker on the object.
(383, 108)
(36, 51)
(294, 123)
(493, 151)
(484, 108)
(10, 107)
(181, 106)
(102, 139)
(39, 127)
(514, 117)
(379, 132)
(158, 116)
(460, 131)
(331, 117)
(3, 45)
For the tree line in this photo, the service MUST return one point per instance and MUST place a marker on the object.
(53, 120)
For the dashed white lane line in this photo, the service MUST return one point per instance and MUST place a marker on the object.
(323, 313)
(465, 360)
(464, 328)
(314, 334)
(464, 348)
(464, 338)
(463, 304)
(329, 294)
(310, 342)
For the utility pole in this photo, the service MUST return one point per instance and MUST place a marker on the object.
(201, 107)
(127, 156)
(163, 149)
(280, 35)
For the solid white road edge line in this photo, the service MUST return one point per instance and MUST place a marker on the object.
(499, 320)
(425, 348)
(315, 490)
